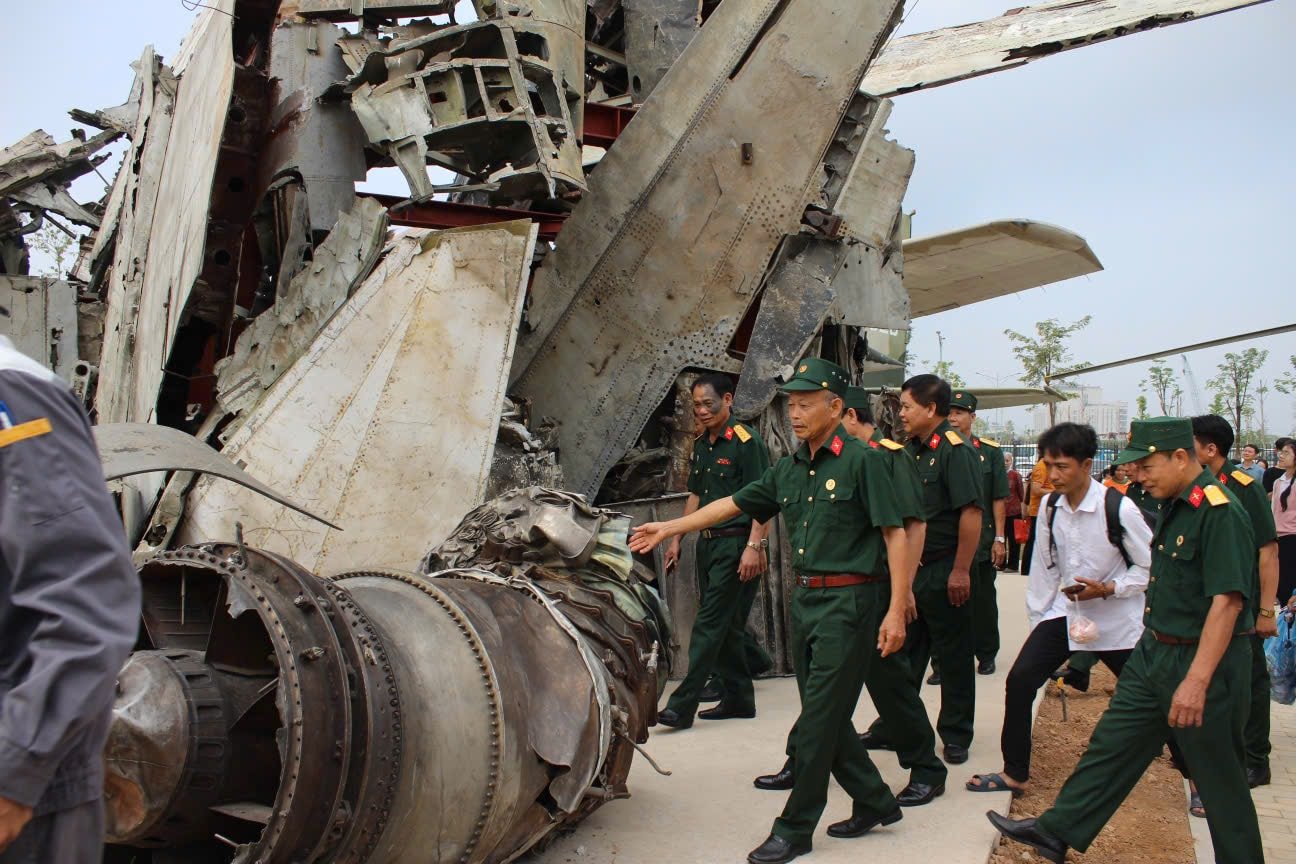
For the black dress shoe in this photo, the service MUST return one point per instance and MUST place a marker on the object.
(955, 754)
(857, 826)
(775, 782)
(672, 718)
(1076, 679)
(776, 850)
(986, 667)
(724, 712)
(918, 794)
(934, 678)
(873, 742)
(1259, 776)
(1025, 831)
(710, 693)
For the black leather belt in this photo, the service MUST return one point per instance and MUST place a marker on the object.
(737, 531)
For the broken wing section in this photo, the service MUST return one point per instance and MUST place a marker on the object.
(962, 267)
(387, 424)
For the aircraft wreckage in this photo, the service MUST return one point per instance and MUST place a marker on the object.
(302, 389)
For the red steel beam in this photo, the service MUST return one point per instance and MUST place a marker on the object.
(603, 123)
(449, 214)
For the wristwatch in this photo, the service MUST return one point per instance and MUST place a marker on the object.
(1000, 540)
(759, 547)
(1270, 613)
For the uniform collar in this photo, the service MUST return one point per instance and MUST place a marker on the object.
(1225, 475)
(833, 446)
(1194, 495)
(1089, 503)
(925, 441)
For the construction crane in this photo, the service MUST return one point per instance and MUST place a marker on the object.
(1190, 381)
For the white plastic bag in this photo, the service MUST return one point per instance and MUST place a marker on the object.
(1083, 630)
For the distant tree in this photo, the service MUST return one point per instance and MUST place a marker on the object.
(1217, 405)
(1161, 381)
(1046, 353)
(1010, 431)
(1286, 384)
(1233, 386)
(980, 427)
(57, 247)
(1142, 404)
(942, 369)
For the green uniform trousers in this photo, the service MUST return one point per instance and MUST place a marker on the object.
(716, 644)
(1257, 725)
(985, 611)
(834, 648)
(1132, 732)
(941, 635)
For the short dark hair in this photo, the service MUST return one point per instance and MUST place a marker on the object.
(1073, 440)
(929, 390)
(717, 381)
(1213, 429)
(1284, 442)
(863, 414)
(1249, 444)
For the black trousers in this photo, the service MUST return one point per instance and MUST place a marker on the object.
(1029, 549)
(1044, 651)
(1287, 564)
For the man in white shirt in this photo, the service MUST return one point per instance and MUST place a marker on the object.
(1080, 584)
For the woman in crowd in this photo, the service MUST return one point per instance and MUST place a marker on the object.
(1013, 512)
(1284, 511)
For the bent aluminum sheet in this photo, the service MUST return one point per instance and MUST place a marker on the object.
(128, 449)
(660, 260)
(387, 423)
(946, 271)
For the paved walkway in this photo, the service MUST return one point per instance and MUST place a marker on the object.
(708, 811)
(1276, 803)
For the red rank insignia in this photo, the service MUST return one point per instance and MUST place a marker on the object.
(976, 442)
(724, 462)
(874, 445)
(1223, 478)
(1196, 496)
(729, 433)
(836, 446)
(934, 441)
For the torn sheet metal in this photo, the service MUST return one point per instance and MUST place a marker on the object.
(925, 60)
(38, 167)
(278, 336)
(387, 424)
(42, 320)
(482, 99)
(162, 233)
(962, 267)
(656, 34)
(659, 262)
(129, 449)
(354, 10)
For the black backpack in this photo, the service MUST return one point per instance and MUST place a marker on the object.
(1111, 508)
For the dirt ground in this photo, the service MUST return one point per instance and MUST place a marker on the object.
(1151, 827)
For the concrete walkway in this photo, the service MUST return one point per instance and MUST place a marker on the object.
(708, 811)
(1276, 803)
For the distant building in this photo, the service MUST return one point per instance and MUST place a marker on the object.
(1087, 406)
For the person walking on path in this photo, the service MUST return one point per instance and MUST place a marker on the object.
(1189, 675)
(954, 490)
(1013, 513)
(1078, 575)
(730, 558)
(1283, 506)
(69, 614)
(851, 571)
(1037, 486)
(889, 686)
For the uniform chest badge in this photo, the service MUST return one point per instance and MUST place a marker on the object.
(724, 461)
(934, 441)
(830, 485)
(1195, 497)
(836, 446)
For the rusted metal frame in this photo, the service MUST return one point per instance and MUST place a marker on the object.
(453, 214)
(605, 123)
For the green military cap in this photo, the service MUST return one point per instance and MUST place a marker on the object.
(814, 373)
(1157, 435)
(858, 398)
(963, 399)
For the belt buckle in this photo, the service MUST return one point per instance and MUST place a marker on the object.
(803, 581)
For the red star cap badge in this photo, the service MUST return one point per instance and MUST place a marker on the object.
(1196, 496)
(836, 446)
(729, 433)
(934, 441)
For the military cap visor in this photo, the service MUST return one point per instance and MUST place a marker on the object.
(858, 398)
(816, 374)
(1157, 435)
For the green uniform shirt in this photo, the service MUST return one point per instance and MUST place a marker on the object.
(904, 474)
(1150, 507)
(1253, 499)
(720, 468)
(1202, 547)
(994, 476)
(833, 504)
(951, 479)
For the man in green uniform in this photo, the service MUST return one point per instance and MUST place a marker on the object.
(1189, 675)
(1214, 438)
(993, 550)
(952, 492)
(730, 556)
(888, 686)
(848, 612)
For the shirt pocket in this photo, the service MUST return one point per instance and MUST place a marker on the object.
(37, 480)
(838, 511)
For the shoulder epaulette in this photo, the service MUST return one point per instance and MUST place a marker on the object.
(743, 435)
(891, 445)
(952, 437)
(990, 442)
(1242, 477)
(1216, 496)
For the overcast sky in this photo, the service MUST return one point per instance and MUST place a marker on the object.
(1170, 151)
